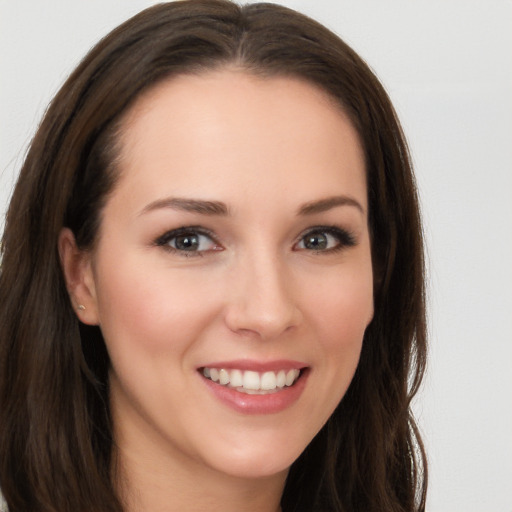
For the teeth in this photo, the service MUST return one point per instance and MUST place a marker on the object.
(223, 377)
(268, 380)
(252, 382)
(290, 377)
(236, 378)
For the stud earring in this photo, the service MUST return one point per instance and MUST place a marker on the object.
(80, 307)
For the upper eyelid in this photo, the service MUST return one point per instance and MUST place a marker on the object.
(163, 241)
(331, 229)
(346, 238)
(171, 233)
(200, 230)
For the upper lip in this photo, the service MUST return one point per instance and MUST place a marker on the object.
(256, 366)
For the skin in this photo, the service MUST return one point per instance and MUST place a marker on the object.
(265, 148)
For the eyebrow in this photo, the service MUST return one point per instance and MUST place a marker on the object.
(188, 205)
(322, 205)
(219, 208)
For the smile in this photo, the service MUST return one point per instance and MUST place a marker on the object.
(251, 382)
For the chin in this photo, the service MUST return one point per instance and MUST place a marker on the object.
(251, 469)
(258, 459)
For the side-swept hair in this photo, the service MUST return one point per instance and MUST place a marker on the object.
(56, 445)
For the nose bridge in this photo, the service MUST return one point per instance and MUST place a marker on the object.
(263, 301)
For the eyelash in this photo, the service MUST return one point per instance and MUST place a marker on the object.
(164, 240)
(343, 237)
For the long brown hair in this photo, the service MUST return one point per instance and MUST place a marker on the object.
(55, 426)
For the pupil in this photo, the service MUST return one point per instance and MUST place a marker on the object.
(187, 242)
(316, 242)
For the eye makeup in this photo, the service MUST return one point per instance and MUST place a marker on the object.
(325, 239)
(188, 241)
(193, 241)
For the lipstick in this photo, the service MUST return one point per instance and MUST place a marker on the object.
(252, 387)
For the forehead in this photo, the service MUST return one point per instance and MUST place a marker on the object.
(228, 130)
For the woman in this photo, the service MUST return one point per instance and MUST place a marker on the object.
(212, 280)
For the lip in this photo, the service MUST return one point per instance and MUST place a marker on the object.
(256, 366)
(244, 403)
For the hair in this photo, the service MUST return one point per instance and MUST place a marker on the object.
(56, 444)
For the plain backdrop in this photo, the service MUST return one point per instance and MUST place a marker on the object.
(447, 65)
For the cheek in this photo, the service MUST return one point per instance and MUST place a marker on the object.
(340, 310)
(147, 306)
(342, 305)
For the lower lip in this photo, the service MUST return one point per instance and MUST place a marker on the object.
(258, 404)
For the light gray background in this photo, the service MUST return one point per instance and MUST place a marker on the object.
(447, 65)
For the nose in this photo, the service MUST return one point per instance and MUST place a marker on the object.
(263, 300)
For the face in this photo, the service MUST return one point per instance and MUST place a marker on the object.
(232, 277)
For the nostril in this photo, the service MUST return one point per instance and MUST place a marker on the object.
(262, 303)
(248, 318)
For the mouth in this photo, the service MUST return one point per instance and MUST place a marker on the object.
(252, 382)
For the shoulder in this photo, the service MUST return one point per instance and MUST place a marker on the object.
(3, 505)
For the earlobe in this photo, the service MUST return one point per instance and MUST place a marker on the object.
(78, 273)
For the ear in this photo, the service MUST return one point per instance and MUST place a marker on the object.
(78, 274)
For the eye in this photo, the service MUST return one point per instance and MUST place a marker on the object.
(188, 240)
(325, 239)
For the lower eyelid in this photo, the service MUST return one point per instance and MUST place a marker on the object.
(344, 237)
(164, 241)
